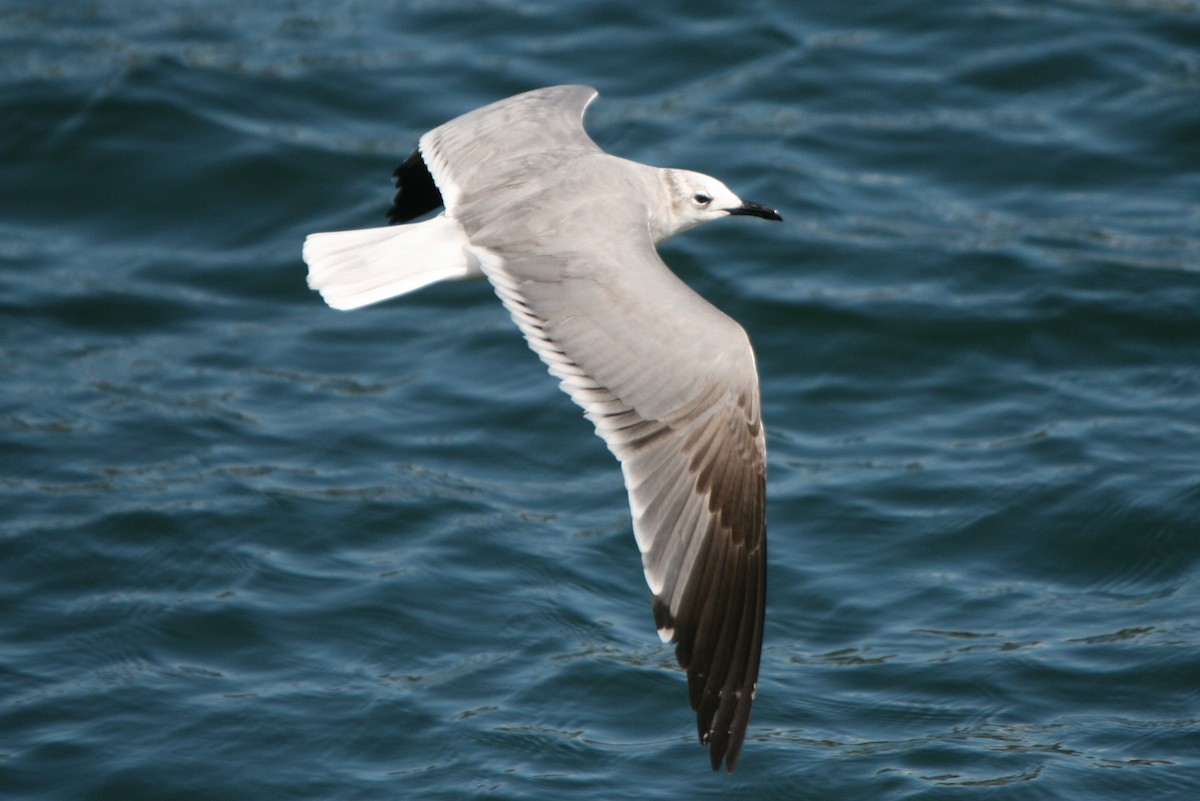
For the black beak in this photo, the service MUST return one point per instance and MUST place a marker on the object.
(755, 210)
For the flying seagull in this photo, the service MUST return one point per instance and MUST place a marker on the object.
(566, 234)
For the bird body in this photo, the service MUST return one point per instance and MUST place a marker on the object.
(566, 235)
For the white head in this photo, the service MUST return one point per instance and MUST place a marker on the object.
(694, 198)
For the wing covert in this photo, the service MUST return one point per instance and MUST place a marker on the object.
(670, 384)
(462, 151)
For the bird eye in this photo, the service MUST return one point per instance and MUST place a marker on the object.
(701, 199)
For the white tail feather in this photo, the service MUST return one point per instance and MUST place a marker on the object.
(356, 268)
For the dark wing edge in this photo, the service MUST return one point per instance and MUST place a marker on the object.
(720, 603)
(472, 153)
(697, 485)
(416, 194)
(535, 120)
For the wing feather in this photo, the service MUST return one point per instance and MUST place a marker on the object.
(675, 397)
(462, 152)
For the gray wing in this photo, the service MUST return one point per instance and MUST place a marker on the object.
(462, 153)
(670, 384)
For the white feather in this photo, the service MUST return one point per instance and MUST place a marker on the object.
(356, 268)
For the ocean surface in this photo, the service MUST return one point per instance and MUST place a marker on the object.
(254, 548)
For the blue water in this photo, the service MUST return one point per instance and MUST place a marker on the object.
(254, 548)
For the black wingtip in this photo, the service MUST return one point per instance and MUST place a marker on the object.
(719, 631)
(417, 194)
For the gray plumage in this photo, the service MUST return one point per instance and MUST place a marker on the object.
(566, 234)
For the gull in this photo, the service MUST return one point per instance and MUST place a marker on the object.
(566, 234)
